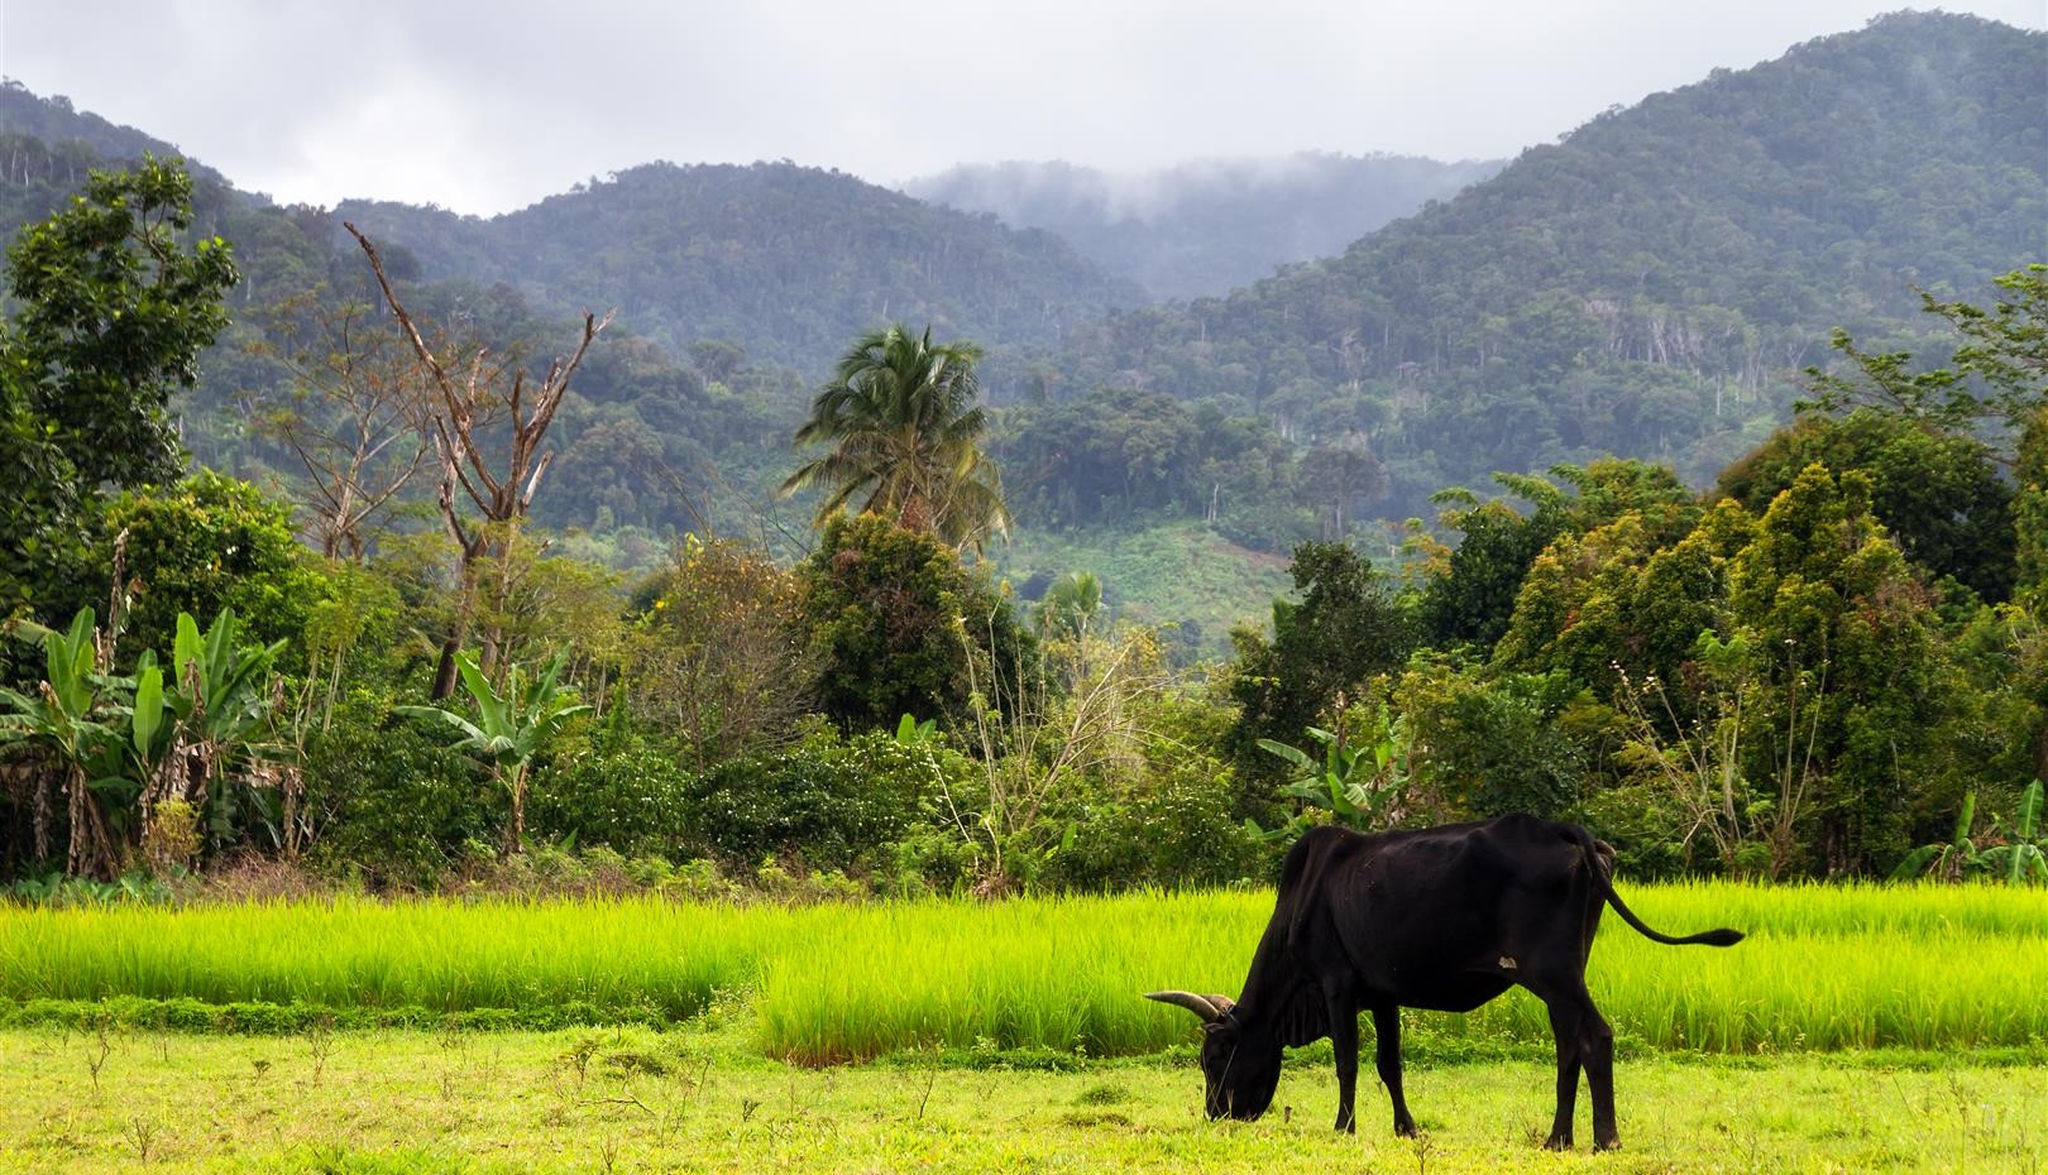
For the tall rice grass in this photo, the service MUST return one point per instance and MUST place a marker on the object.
(1823, 967)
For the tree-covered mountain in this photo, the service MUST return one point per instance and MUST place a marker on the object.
(1651, 284)
(789, 262)
(1203, 229)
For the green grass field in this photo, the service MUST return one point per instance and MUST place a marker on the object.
(703, 1099)
(1924, 967)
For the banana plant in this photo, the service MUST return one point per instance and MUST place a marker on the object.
(2021, 858)
(511, 727)
(1950, 861)
(1359, 785)
(223, 704)
(73, 716)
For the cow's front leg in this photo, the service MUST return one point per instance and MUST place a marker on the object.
(1386, 1028)
(1343, 1014)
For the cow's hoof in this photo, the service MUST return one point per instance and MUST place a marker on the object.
(1404, 1129)
(1611, 1143)
(1558, 1142)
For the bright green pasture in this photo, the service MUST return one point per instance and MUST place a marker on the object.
(700, 1099)
(1824, 968)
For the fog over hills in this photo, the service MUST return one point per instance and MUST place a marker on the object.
(1206, 227)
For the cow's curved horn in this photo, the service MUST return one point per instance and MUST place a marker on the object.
(1209, 1008)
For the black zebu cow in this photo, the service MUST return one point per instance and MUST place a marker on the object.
(1440, 918)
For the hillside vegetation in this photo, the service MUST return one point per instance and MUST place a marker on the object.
(1648, 286)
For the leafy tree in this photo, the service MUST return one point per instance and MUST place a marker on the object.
(1851, 658)
(1939, 494)
(893, 616)
(1347, 629)
(112, 314)
(1999, 375)
(1995, 385)
(1487, 741)
(718, 653)
(905, 428)
(207, 544)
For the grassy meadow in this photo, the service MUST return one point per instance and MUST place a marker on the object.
(701, 1099)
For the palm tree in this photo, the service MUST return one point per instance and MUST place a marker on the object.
(903, 421)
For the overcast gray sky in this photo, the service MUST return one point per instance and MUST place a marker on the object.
(488, 105)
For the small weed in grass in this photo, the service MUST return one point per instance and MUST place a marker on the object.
(1111, 1094)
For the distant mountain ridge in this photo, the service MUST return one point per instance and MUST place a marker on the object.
(790, 262)
(1205, 228)
(1651, 284)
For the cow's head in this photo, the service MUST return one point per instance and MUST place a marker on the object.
(1240, 1066)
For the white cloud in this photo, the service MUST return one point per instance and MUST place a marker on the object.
(486, 106)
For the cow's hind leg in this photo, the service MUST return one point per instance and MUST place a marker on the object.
(1596, 1050)
(1564, 1025)
(1583, 1041)
(1386, 1028)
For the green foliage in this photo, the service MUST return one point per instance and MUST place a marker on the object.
(636, 799)
(829, 803)
(1347, 629)
(718, 651)
(513, 724)
(1999, 375)
(391, 804)
(207, 544)
(893, 614)
(904, 421)
(1487, 743)
(200, 742)
(111, 314)
(2023, 858)
(1360, 785)
(1939, 495)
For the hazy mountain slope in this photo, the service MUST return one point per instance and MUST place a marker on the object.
(1205, 228)
(790, 262)
(1649, 285)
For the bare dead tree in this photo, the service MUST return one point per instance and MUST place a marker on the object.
(467, 404)
(357, 421)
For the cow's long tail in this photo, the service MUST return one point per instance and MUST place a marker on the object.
(1596, 864)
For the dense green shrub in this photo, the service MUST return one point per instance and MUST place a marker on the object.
(1178, 832)
(392, 803)
(893, 616)
(635, 800)
(829, 803)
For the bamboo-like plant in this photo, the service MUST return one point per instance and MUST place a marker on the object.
(511, 727)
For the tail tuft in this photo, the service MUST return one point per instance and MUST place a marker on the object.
(1720, 938)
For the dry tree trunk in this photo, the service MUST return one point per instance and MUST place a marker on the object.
(467, 406)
